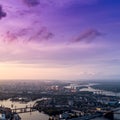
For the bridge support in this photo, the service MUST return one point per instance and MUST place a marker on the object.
(109, 115)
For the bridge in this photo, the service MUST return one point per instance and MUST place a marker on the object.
(107, 114)
(24, 110)
(110, 114)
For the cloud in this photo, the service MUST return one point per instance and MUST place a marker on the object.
(65, 3)
(2, 13)
(27, 35)
(36, 53)
(31, 3)
(68, 2)
(58, 3)
(41, 34)
(23, 32)
(48, 36)
(10, 37)
(87, 36)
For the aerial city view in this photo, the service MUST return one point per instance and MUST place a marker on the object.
(59, 59)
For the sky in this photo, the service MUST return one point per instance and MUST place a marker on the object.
(60, 39)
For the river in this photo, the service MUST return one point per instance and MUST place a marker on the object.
(108, 93)
(25, 116)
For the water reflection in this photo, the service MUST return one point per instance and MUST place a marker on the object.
(25, 116)
(34, 116)
(103, 92)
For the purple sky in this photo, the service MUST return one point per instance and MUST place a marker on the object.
(60, 39)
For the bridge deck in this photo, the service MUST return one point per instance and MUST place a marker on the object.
(24, 110)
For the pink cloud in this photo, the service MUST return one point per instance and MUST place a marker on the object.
(87, 36)
(27, 35)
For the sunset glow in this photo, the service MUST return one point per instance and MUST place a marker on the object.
(59, 39)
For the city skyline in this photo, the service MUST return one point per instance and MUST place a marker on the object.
(60, 39)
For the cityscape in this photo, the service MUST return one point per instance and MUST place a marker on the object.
(59, 59)
(59, 100)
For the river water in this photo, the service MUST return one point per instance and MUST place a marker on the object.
(25, 116)
(103, 92)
